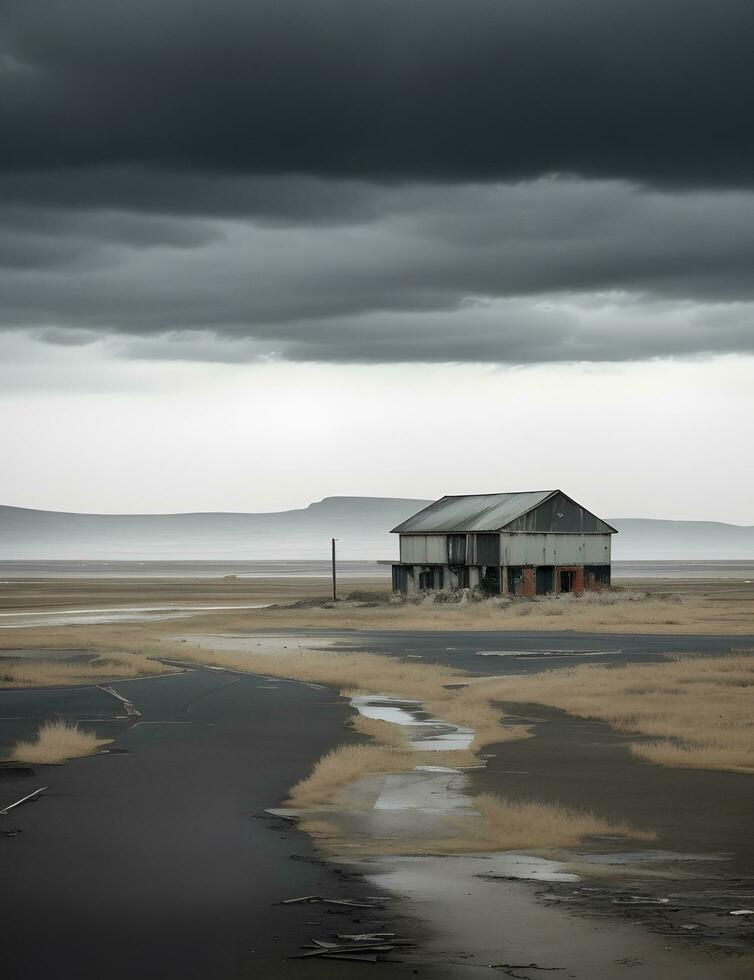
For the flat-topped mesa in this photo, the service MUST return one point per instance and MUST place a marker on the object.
(535, 542)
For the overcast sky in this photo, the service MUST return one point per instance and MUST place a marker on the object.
(256, 253)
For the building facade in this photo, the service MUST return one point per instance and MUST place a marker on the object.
(525, 544)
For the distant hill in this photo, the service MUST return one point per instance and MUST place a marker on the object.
(640, 538)
(360, 523)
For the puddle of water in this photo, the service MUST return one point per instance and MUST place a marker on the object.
(120, 614)
(546, 653)
(425, 734)
(255, 642)
(426, 789)
(396, 714)
(645, 857)
(526, 867)
(503, 922)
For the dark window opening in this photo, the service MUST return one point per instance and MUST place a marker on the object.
(457, 549)
(489, 580)
(567, 581)
(515, 578)
(598, 575)
(545, 576)
(487, 549)
(431, 577)
(400, 578)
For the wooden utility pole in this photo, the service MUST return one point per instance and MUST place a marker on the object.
(334, 583)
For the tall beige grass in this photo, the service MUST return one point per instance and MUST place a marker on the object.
(52, 673)
(505, 824)
(388, 751)
(368, 673)
(510, 824)
(342, 766)
(699, 710)
(618, 611)
(57, 741)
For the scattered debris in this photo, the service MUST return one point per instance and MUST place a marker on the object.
(346, 902)
(510, 968)
(362, 948)
(24, 799)
(129, 707)
(639, 900)
(523, 966)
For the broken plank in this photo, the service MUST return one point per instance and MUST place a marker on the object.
(24, 799)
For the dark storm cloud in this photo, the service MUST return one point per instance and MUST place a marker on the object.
(557, 270)
(382, 89)
(357, 181)
(33, 238)
(275, 200)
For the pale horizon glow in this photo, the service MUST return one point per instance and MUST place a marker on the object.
(93, 433)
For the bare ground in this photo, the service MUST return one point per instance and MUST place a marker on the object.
(643, 606)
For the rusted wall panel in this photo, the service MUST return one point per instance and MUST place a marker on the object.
(577, 574)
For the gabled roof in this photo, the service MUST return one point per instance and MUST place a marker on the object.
(483, 512)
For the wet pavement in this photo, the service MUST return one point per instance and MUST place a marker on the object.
(158, 860)
(503, 652)
(527, 651)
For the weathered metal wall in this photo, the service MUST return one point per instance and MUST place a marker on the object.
(424, 549)
(505, 549)
(559, 513)
(555, 549)
(483, 549)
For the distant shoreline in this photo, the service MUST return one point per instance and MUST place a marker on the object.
(672, 569)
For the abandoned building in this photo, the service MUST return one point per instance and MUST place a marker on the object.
(524, 544)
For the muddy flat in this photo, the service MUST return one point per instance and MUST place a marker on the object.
(158, 859)
(529, 651)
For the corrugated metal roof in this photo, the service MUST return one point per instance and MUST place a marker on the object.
(477, 512)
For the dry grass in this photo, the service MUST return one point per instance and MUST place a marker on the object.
(649, 606)
(616, 612)
(505, 824)
(389, 751)
(699, 709)
(510, 824)
(368, 673)
(380, 732)
(700, 706)
(342, 766)
(57, 741)
(706, 753)
(49, 673)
